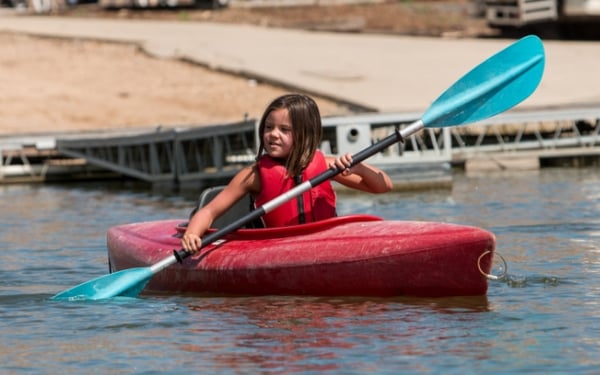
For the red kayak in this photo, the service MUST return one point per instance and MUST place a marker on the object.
(356, 255)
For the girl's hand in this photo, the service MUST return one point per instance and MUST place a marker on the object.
(191, 242)
(343, 162)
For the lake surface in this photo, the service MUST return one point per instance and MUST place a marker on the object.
(544, 317)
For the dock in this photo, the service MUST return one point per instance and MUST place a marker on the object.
(202, 156)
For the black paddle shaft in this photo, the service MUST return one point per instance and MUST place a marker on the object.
(300, 189)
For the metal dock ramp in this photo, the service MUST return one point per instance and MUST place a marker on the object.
(202, 156)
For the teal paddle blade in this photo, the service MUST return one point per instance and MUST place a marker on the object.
(495, 85)
(125, 283)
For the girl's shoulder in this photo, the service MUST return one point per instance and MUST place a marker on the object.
(249, 179)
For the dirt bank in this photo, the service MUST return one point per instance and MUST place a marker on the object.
(422, 17)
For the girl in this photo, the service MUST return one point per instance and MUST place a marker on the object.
(290, 131)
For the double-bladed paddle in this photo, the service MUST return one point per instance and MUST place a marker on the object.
(495, 85)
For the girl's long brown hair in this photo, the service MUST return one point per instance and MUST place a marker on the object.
(307, 130)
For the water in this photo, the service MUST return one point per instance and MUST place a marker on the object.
(543, 318)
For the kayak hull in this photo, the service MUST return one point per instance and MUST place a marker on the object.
(355, 255)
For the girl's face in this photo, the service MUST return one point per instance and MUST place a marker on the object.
(277, 136)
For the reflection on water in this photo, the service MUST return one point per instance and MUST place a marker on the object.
(543, 317)
(327, 327)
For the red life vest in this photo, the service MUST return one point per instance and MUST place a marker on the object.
(317, 204)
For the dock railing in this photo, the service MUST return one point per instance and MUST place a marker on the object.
(207, 155)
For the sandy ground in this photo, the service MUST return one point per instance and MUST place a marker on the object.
(52, 85)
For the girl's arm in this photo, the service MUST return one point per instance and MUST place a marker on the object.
(242, 183)
(362, 176)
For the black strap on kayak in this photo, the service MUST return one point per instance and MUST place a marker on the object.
(300, 199)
